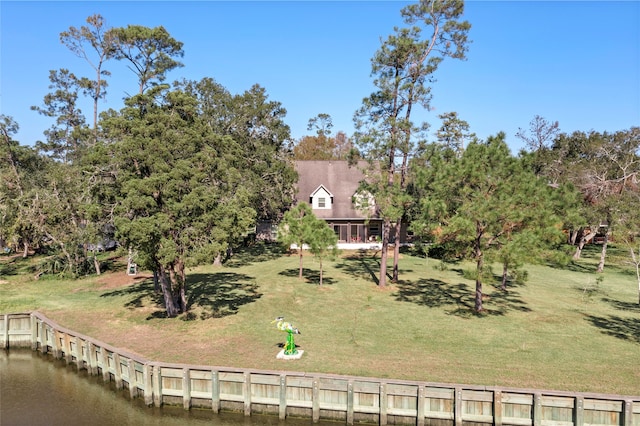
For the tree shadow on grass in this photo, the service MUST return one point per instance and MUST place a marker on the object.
(458, 299)
(141, 294)
(255, 253)
(8, 267)
(366, 263)
(623, 306)
(310, 276)
(623, 328)
(15, 264)
(434, 293)
(208, 295)
(362, 264)
(574, 266)
(592, 268)
(501, 302)
(220, 294)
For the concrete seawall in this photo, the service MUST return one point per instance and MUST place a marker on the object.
(348, 399)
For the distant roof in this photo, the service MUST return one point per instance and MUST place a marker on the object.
(337, 177)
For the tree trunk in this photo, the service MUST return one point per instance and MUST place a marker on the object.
(505, 271)
(478, 302)
(479, 267)
(177, 277)
(183, 299)
(169, 302)
(583, 240)
(156, 282)
(396, 251)
(129, 260)
(637, 264)
(182, 279)
(579, 248)
(386, 227)
(96, 263)
(573, 236)
(300, 267)
(320, 271)
(603, 253)
(25, 252)
(578, 252)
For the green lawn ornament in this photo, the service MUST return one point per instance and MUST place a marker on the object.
(289, 346)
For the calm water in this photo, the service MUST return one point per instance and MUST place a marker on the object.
(38, 390)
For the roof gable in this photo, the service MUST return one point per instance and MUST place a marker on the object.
(320, 189)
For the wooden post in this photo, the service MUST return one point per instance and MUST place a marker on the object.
(537, 409)
(43, 331)
(215, 391)
(157, 386)
(117, 370)
(103, 361)
(578, 411)
(420, 406)
(282, 409)
(497, 408)
(93, 358)
(627, 413)
(57, 352)
(457, 406)
(65, 346)
(384, 404)
(186, 388)
(5, 335)
(246, 392)
(133, 380)
(315, 401)
(34, 332)
(148, 384)
(79, 346)
(350, 402)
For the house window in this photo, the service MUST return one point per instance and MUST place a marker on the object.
(341, 232)
(322, 202)
(357, 233)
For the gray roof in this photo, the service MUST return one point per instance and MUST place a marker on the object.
(337, 177)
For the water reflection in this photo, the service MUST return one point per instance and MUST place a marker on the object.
(38, 390)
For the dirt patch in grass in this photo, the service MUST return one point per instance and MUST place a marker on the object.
(119, 279)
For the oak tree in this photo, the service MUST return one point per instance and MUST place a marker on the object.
(182, 195)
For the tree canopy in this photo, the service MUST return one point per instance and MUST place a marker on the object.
(182, 198)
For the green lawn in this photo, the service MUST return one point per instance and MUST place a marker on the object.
(561, 330)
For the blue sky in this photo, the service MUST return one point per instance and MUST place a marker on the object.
(577, 62)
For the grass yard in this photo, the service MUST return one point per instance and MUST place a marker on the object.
(563, 329)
